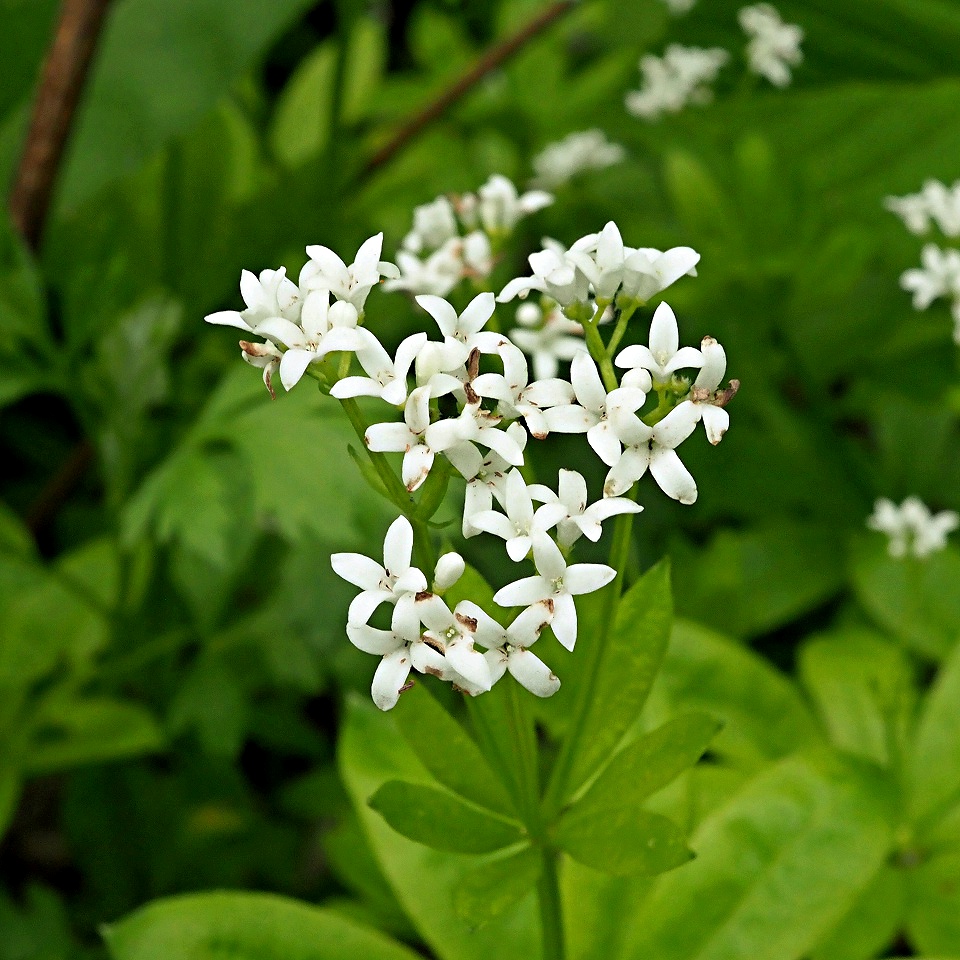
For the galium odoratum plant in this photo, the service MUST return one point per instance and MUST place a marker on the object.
(462, 417)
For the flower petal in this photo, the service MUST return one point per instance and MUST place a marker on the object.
(531, 672)
(672, 476)
(390, 677)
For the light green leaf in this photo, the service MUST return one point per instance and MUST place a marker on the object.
(776, 869)
(69, 733)
(634, 651)
(301, 121)
(934, 763)
(487, 891)
(448, 752)
(862, 687)
(916, 599)
(763, 715)
(933, 922)
(439, 820)
(15, 538)
(244, 926)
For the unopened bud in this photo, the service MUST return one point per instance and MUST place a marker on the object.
(449, 570)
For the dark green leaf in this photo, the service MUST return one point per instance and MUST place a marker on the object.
(493, 888)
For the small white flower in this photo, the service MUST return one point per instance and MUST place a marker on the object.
(602, 262)
(663, 357)
(679, 77)
(557, 582)
(454, 632)
(606, 418)
(655, 447)
(911, 527)
(516, 397)
(411, 438)
(558, 163)
(385, 378)
(381, 584)
(553, 274)
(547, 337)
(438, 274)
(521, 527)
(774, 46)
(269, 295)
(326, 271)
(508, 648)
(402, 646)
(680, 7)
(265, 357)
(647, 271)
(465, 332)
(433, 225)
(475, 425)
(579, 518)
(938, 277)
(716, 420)
(935, 203)
(500, 207)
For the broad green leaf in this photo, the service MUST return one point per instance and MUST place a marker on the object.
(371, 751)
(622, 840)
(15, 538)
(439, 820)
(35, 924)
(862, 688)
(934, 763)
(68, 733)
(635, 648)
(915, 599)
(244, 926)
(448, 752)
(872, 923)
(763, 715)
(212, 702)
(156, 75)
(301, 121)
(490, 889)
(776, 869)
(933, 922)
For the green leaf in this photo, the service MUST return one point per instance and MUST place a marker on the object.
(763, 715)
(439, 820)
(213, 702)
(15, 538)
(10, 778)
(487, 891)
(916, 599)
(68, 733)
(244, 926)
(933, 923)
(623, 840)
(448, 752)
(156, 75)
(862, 687)
(301, 121)
(776, 868)
(634, 652)
(934, 764)
(370, 752)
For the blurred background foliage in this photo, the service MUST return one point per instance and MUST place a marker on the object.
(174, 677)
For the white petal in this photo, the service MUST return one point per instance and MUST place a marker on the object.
(587, 577)
(449, 570)
(664, 335)
(441, 311)
(370, 640)
(605, 443)
(390, 677)
(282, 331)
(490, 521)
(716, 421)
(357, 569)
(627, 471)
(677, 425)
(570, 419)
(714, 365)
(356, 387)
(389, 437)
(364, 604)
(501, 442)
(518, 547)
(587, 383)
(672, 476)
(489, 633)
(228, 318)
(684, 357)
(532, 673)
(564, 623)
(636, 356)
(572, 489)
(398, 547)
(435, 613)
(549, 393)
(417, 462)
(525, 629)
(477, 312)
(549, 559)
(469, 663)
(523, 592)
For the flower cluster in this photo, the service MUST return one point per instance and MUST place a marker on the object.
(558, 163)
(680, 7)
(463, 404)
(936, 206)
(455, 238)
(683, 75)
(911, 527)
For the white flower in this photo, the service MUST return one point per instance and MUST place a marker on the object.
(475, 425)
(269, 295)
(402, 646)
(411, 438)
(939, 276)
(326, 271)
(263, 356)
(580, 519)
(605, 417)
(679, 7)
(454, 632)
(385, 378)
(547, 337)
(647, 271)
(716, 420)
(433, 225)
(508, 648)
(486, 476)
(553, 274)
(602, 261)
(448, 571)
(522, 528)
(558, 163)
(500, 207)
(663, 357)
(516, 397)
(654, 447)
(465, 332)
(457, 258)
(677, 78)
(774, 46)
(381, 584)
(911, 527)
(557, 582)
(323, 329)
(936, 203)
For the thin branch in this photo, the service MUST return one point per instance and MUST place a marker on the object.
(489, 61)
(62, 80)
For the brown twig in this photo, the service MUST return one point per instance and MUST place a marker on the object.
(61, 82)
(488, 62)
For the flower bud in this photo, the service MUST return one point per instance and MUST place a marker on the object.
(450, 568)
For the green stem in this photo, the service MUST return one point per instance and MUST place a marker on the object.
(620, 329)
(559, 786)
(551, 913)
(524, 737)
(598, 351)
